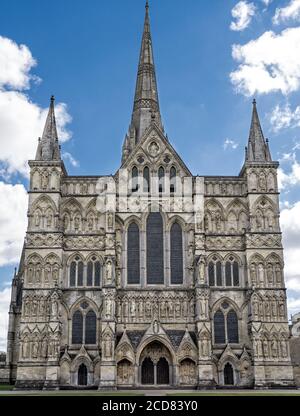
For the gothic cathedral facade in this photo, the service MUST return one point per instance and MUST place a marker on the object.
(151, 276)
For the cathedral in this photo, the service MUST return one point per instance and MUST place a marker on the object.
(150, 277)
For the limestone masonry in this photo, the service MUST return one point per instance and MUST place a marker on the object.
(150, 276)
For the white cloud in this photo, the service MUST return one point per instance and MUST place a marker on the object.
(230, 144)
(290, 226)
(70, 158)
(243, 13)
(284, 117)
(13, 222)
(21, 120)
(267, 2)
(290, 12)
(16, 62)
(269, 63)
(4, 307)
(292, 177)
(21, 123)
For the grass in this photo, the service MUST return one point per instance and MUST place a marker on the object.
(6, 387)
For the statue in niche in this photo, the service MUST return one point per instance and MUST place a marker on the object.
(271, 182)
(201, 270)
(218, 222)
(49, 218)
(199, 221)
(45, 180)
(163, 309)
(267, 310)
(77, 223)
(274, 348)
(37, 218)
(283, 348)
(259, 220)
(25, 348)
(270, 274)
(110, 220)
(274, 309)
(42, 307)
(253, 276)
(270, 219)
(55, 273)
(66, 222)
(54, 308)
(27, 308)
(44, 347)
(204, 345)
(108, 308)
(34, 306)
(38, 273)
(91, 223)
(262, 182)
(30, 274)
(278, 274)
(107, 350)
(54, 175)
(281, 309)
(261, 276)
(255, 308)
(156, 327)
(47, 273)
(265, 346)
(258, 348)
(177, 309)
(132, 308)
(118, 254)
(252, 181)
(35, 347)
(109, 272)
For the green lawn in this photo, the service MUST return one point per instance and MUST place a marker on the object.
(6, 387)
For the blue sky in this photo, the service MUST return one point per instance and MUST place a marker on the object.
(86, 54)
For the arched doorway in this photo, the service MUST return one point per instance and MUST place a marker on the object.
(82, 375)
(147, 371)
(155, 365)
(228, 375)
(163, 372)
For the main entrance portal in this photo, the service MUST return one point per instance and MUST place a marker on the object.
(155, 365)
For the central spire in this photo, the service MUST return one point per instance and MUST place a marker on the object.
(146, 105)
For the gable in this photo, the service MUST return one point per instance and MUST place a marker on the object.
(154, 150)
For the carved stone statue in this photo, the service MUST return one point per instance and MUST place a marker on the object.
(253, 276)
(109, 272)
(261, 275)
(270, 274)
(201, 270)
(107, 350)
(45, 180)
(37, 219)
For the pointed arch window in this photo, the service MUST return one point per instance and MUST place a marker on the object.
(93, 272)
(146, 180)
(176, 257)
(219, 327)
(226, 329)
(134, 179)
(90, 328)
(155, 249)
(77, 328)
(161, 180)
(232, 272)
(232, 327)
(76, 272)
(84, 325)
(172, 180)
(215, 272)
(133, 254)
